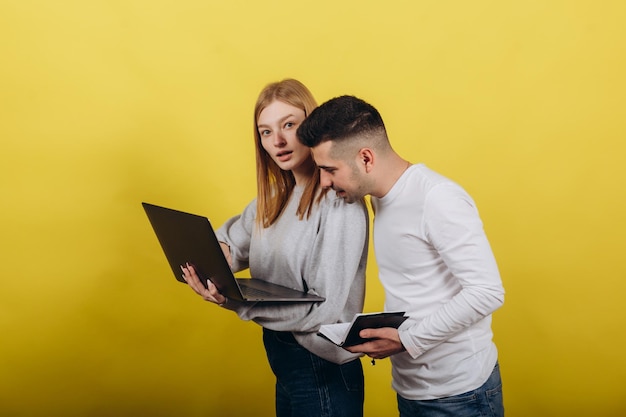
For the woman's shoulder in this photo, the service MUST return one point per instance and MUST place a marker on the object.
(330, 201)
(330, 198)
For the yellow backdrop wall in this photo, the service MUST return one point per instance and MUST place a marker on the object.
(107, 103)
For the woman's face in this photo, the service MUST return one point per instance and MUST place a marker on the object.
(277, 125)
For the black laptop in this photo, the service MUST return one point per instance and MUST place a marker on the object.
(186, 237)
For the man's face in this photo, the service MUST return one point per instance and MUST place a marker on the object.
(346, 177)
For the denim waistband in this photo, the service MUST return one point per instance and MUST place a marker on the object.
(284, 336)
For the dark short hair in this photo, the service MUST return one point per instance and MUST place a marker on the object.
(338, 119)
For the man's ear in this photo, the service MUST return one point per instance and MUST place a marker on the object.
(366, 158)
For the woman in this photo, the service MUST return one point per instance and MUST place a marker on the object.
(300, 236)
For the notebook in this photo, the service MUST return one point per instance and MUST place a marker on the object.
(186, 237)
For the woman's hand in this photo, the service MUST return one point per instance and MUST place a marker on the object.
(226, 250)
(208, 294)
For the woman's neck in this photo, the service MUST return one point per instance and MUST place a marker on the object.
(302, 174)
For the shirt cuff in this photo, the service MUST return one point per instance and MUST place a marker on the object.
(408, 341)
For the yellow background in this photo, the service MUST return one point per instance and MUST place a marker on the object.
(107, 103)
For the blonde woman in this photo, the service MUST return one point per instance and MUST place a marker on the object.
(303, 237)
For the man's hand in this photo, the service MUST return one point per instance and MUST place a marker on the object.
(208, 294)
(386, 343)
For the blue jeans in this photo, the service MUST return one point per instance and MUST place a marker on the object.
(485, 401)
(309, 386)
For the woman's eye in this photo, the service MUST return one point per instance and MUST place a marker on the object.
(265, 132)
(289, 124)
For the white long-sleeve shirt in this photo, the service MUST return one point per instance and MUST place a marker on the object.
(435, 263)
(325, 254)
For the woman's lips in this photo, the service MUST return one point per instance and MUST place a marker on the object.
(284, 156)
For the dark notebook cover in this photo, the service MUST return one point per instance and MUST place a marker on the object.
(338, 334)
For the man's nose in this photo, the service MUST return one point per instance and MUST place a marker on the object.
(325, 180)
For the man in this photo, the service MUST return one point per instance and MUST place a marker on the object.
(434, 262)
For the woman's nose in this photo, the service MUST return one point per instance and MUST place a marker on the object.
(279, 139)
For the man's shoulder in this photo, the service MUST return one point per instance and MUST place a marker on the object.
(428, 176)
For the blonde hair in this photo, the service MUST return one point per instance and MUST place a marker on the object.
(274, 186)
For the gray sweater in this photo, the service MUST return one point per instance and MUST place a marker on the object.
(325, 254)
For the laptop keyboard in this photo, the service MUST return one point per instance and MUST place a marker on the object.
(254, 292)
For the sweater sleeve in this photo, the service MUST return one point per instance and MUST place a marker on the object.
(236, 232)
(335, 269)
(454, 228)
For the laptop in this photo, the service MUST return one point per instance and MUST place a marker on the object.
(186, 237)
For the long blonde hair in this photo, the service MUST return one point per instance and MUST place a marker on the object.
(274, 186)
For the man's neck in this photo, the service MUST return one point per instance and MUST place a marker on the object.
(390, 171)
